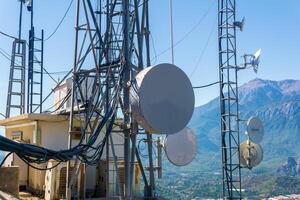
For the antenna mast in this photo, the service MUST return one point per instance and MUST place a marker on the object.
(111, 47)
(35, 67)
(230, 139)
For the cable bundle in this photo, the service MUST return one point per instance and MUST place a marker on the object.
(88, 152)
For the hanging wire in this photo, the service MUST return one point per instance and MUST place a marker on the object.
(154, 49)
(4, 159)
(61, 21)
(88, 152)
(208, 85)
(187, 34)
(4, 54)
(7, 35)
(203, 50)
(8, 57)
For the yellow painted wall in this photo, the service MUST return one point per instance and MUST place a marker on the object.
(54, 135)
(16, 161)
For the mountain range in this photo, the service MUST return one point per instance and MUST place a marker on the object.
(276, 103)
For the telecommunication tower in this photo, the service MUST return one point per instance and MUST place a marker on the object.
(17, 78)
(111, 46)
(16, 84)
(228, 69)
(35, 67)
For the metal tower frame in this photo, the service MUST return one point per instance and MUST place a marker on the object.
(230, 139)
(35, 73)
(111, 46)
(16, 84)
(35, 68)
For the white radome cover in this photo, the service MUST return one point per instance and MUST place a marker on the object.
(255, 129)
(250, 151)
(181, 148)
(162, 99)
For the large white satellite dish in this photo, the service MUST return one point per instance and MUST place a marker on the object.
(162, 99)
(251, 154)
(255, 129)
(181, 148)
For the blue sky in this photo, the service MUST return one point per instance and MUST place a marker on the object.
(272, 25)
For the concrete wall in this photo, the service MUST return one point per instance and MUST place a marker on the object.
(53, 135)
(14, 160)
(9, 181)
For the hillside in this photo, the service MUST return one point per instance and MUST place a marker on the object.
(277, 103)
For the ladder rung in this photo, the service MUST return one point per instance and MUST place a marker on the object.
(16, 80)
(18, 55)
(37, 50)
(15, 93)
(19, 68)
(15, 106)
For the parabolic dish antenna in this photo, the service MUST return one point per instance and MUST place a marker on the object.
(251, 154)
(181, 147)
(255, 129)
(255, 60)
(162, 99)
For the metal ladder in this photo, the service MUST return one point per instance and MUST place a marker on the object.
(16, 85)
(35, 73)
(114, 175)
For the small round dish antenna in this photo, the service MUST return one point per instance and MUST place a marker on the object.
(255, 60)
(181, 147)
(162, 99)
(255, 129)
(251, 154)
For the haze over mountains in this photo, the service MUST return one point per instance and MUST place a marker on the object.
(277, 103)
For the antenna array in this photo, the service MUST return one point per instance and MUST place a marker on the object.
(109, 36)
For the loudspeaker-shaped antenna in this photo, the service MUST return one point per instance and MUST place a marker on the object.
(240, 24)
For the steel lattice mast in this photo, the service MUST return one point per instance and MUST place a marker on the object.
(111, 46)
(228, 69)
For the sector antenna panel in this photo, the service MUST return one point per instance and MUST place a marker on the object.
(162, 99)
(181, 148)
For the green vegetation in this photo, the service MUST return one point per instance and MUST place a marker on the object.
(200, 186)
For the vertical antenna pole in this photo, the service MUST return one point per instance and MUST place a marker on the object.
(159, 158)
(20, 20)
(42, 70)
(149, 136)
(126, 80)
(20, 27)
(171, 30)
(68, 189)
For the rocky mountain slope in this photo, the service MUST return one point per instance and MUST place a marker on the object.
(277, 103)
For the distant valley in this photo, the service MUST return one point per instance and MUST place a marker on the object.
(277, 103)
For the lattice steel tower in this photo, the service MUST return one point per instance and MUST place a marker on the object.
(35, 68)
(16, 84)
(230, 139)
(111, 46)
